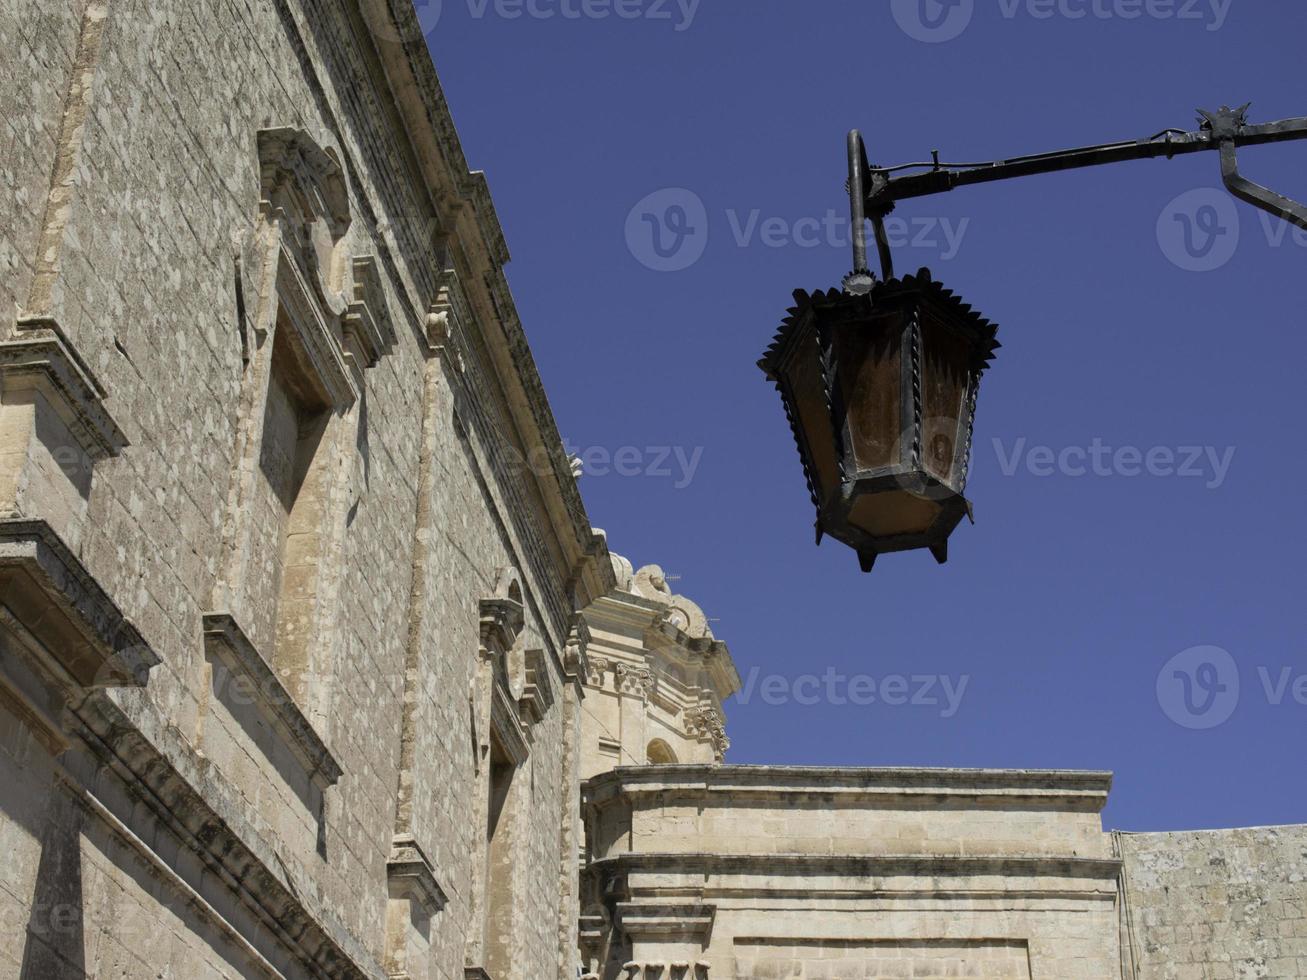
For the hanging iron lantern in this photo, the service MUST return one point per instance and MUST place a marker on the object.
(880, 390)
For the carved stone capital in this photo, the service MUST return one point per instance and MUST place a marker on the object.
(635, 680)
(596, 668)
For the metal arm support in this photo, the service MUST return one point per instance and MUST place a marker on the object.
(1225, 130)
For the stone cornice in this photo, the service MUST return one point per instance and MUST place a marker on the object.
(1081, 791)
(859, 865)
(689, 920)
(52, 595)
(480, 240)
(663, 639)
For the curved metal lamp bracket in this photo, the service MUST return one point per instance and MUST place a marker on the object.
(873, 191)
(1226, 126)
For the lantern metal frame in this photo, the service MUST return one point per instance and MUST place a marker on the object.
(899, 306)
(873, 194)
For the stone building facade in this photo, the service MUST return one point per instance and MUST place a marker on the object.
(307, 646)
(696, 869)
(290, 552)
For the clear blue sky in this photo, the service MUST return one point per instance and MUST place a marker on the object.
(1074, 590)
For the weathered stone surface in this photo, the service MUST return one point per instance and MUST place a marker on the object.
(1216, 905)
(224, 227)
(760, 871)
(306, 642)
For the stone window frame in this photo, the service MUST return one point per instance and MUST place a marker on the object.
(334, 305)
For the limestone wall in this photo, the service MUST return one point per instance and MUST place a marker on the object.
(251, 690)
(826, 874)
(1216, 905)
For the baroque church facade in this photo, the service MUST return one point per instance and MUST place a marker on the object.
(311, 664)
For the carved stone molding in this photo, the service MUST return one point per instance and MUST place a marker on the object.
(575, 653)
(314, 333)
(412, 875)
(502, 619)
(506, 722)
(596, 668)
(224, 638)
(367, 321)
(658, 970)
(443, 324)
(537, 693)
(635, 680)
(43, 362)
(86, 641)
(304, 191)
(654, 920)
(706, 724)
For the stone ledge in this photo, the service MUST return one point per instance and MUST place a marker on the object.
(411, 870)
(367, 318)
(1074, 788)
(46, 362)
(89, 643)
(224, 638)
(860, 865)
(194, 802)
(655, 918)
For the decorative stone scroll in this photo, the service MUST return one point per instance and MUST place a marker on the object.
(705, 723)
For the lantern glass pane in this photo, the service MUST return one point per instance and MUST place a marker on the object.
(945, 376)
(869, 355)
